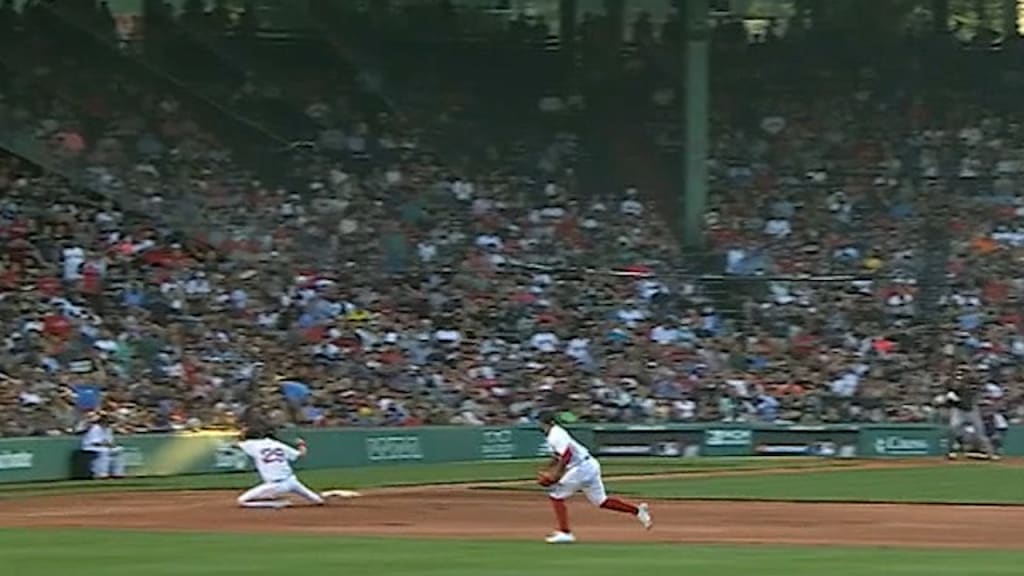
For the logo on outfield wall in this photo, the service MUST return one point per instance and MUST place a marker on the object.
(543, 449)
(393, 448)
(900, 446)
(132, 457)
(497, 445)
(229, 457)
(16, 460)
(732, 437)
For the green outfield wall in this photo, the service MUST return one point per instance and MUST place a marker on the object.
(41, 459)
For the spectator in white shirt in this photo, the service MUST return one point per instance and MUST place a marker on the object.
(664, 335)
(546, 342)
(73, 257)
(631, 315)
(631, 206)
(685, 409)
(463, 190)
(845, 385)
(778, 227)
(579, 349)
(197, 285)
(448, 337)
(489, 242)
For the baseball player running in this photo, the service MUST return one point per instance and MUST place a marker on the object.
(964, 413)
(273, 463)
(574, 469)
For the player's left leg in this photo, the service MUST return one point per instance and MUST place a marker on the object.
(557, 495)
(295, 486)
(956, 423)
(101, 463)
(262, 496)
(984, 442)
(563, 534)
(117, 463)
(997, 445)
(597, 495)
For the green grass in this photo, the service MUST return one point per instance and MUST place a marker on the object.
(406, 475)
(981, 483)
(100, 553)
(116, 553)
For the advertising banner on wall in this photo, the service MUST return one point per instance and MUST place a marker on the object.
(903, 441)
(817, 441)
(647, 441)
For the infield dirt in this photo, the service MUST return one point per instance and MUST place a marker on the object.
(464, 512)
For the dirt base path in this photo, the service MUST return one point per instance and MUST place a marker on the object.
(459, 512)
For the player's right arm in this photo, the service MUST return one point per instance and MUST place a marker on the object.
(293, 453)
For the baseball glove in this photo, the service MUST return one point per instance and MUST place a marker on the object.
(545, 478)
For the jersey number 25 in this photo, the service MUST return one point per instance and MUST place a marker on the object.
(272, 455)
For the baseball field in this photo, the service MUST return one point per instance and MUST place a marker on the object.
(713, 517)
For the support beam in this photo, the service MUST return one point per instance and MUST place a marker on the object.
(1010, 14)
(981, 11)
(615, 13)
(940, 16)
(696, 36)
(567, 28)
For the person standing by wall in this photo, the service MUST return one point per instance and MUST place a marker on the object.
(107, 456)
(965, 421)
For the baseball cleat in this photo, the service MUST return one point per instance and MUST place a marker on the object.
(560, 538)
(952, 456)
(643, 514)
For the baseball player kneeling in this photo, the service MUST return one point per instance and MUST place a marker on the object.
(573, 470)
(273, 460)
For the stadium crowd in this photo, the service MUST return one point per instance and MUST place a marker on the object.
(413, 268)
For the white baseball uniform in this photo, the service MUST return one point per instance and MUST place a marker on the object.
(583, 472)
(273, 463)
(107, 457)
